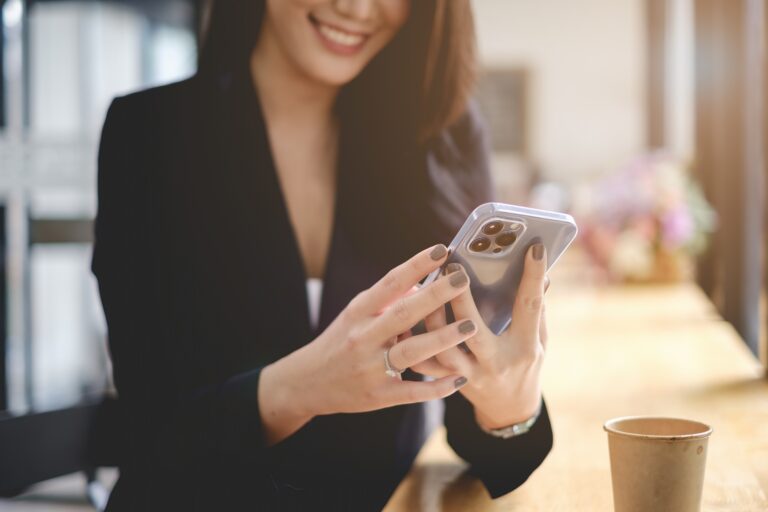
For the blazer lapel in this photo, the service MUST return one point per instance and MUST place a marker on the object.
(364, 240)
(268, 240)
(358, 256)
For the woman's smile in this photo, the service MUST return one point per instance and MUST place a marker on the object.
(339, 40)
(329, 42)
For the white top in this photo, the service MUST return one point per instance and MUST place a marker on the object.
(314, 294)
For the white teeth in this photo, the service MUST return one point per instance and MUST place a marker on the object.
(337, 36)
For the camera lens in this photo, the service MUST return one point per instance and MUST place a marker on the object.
(492, 228)
(506, 239)
(479, 244)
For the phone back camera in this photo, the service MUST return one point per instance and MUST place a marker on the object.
(506, 239)
(492, 227)
(479, 244)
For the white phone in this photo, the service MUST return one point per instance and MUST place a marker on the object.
(491, 245)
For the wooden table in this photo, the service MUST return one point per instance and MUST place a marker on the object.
(616, 351)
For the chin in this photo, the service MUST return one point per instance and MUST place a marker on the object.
(337, 79)
(334, 73)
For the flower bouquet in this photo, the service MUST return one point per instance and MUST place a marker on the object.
(646, 222)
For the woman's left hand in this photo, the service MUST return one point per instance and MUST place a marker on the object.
(503, 372)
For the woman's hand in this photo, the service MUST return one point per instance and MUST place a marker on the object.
(503, 371)
(343, 370)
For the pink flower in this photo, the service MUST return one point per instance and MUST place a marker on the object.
(677, 227)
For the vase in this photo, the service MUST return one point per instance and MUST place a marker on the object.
(671, 267)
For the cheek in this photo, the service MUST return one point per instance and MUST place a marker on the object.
(287, 17)
(393, 15)
(289, 20)
(395, 12)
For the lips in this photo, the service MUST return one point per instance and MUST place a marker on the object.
(337, 39)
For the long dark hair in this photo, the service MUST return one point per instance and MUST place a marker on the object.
(417, 86)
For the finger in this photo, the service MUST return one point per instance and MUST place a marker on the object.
(432, 368)
(409, 392)
(407, 311)
(437, 318)
(526, 312)
(483, 346)
(420, 348)
(457, 361)
(404, 336)
(400, 280)
(543, 334)
(413, 290)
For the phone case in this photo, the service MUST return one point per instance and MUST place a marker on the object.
(491, 245)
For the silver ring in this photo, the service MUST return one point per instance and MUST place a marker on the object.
(391, 370)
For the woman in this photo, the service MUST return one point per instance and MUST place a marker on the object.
(320, 140)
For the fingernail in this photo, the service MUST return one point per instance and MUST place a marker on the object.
(438, 252)
(538, 252)
(460, 382)
(466, 326)
(451, 268)
(458, 279)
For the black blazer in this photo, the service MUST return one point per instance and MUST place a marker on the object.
(202, 285)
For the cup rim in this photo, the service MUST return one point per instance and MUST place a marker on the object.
(609, 426)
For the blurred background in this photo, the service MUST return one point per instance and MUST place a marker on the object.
(645, 119)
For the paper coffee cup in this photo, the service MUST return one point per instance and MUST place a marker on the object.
(657, 464)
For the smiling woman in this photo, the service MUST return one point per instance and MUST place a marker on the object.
(322, 142)
(420, 76)
(328, 44)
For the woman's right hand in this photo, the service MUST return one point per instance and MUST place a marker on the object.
(343, 369)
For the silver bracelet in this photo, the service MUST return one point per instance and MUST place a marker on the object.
(513, 430)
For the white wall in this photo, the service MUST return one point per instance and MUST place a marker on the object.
(587, 88)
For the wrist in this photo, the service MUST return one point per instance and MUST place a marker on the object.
(492, 418)
(514, 429)
(282, 404)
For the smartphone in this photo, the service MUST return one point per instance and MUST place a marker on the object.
(492, 244)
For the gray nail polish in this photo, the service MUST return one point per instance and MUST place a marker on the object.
(466, 326)
(458, 279)
(438, 252)
(538, 252)
(460, 382)
(451, 268)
